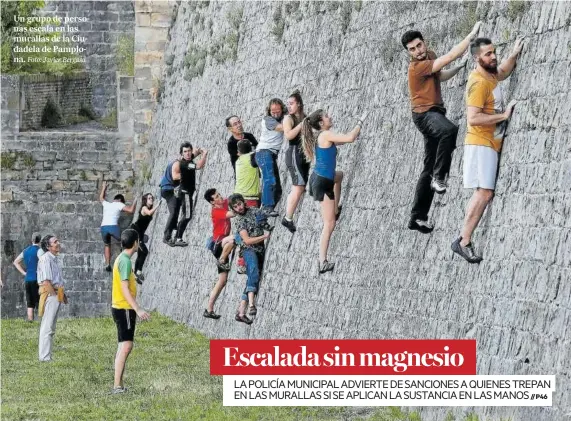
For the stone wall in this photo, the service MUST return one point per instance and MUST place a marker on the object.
(50, 183)
(110, 22)
(10, 104)
(70, 93)
(389, 282)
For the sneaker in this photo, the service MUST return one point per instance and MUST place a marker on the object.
(168, 242)
(326, 266)
(270, 212)
(422, 226)
(118, 390)
(108, 268)
(139, 277)
(179, 242)
(439, 186)
(211, 315)
(243, 319)
(467, 251)
(241, 270)
(289, 225)
(223, 266)
(253, 311)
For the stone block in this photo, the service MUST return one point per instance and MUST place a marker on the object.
(143, 19)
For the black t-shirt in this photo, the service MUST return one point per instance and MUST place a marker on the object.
(188, 175)
(233, 147)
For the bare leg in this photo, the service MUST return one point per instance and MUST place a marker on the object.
(226, 252)
(218, 287)
(107, 253)
(242, 307)
(474, 212)
(293, 200)
(337, 189)
(328, 215)
(251, 298)
(123, 351)
(30, 313)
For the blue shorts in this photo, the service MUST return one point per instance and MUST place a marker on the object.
(108, 231)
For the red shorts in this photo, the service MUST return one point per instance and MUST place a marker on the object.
(253, 203)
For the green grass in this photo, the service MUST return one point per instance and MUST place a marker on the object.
(167, 375)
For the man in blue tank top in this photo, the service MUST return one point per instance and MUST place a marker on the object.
(30, 257)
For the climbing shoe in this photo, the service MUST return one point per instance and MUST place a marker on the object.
(211, 315)
(243, 319)
(467, 252)
(179, 242)
(326, 266)
(289, 225)
(439, 186)
(421, 226)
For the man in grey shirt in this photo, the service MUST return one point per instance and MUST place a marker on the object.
(267, 155)
(52, 294)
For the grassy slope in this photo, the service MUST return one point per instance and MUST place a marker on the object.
(167, 375)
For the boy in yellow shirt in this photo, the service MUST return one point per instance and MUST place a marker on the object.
(124, 307)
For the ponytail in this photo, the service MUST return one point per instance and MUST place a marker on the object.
(308, 139)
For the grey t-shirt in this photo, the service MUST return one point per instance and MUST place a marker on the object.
(270, 138)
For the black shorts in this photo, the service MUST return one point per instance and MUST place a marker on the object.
(125, 321)
(297, 166)
(217, 252)
(32, 294)
(321, 186)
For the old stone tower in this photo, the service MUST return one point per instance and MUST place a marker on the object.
(198, 62)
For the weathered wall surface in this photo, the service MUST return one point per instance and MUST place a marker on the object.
(229, 57)
(109, 23)
(70, 93)
(50, 184)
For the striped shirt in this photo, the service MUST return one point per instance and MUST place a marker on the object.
(49, 269)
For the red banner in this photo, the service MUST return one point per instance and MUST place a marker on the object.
(349, 357)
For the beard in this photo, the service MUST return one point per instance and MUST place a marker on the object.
(491, 68)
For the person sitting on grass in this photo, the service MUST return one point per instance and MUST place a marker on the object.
(124, 307)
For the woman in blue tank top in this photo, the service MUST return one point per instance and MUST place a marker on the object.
(320, 144)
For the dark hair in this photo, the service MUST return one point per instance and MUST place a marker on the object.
(209, 195)
(276, 101)
(36, 238)
(145, 198)
(409, 36)
(297, 96)
(45, 242)
(234, 199)
(230, 118)
(128, 238)
(477, 43)
(308, 140)
(119, 197)
(184, 145)
(244, 146)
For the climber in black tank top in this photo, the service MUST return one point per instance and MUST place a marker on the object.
(296, 163)
(141, 225)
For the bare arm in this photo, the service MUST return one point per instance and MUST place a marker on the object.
(342, 137)
(175, 172)
(230, 214)
(279, 128)
(131, 300)
(149, 212)
(476, 117)
(250, 241)
(450, 73)
(130, 209)
(18, 265)
(456, 51)
(102, 192)
(507, 67)
(290, 132)
(200, 164)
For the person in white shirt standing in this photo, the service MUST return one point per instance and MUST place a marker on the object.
(110, 222)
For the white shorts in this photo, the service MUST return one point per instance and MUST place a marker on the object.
(480, 167)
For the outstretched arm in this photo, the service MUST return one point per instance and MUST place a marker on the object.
(456, 51)
(476, 116)
(102, 192)
(130, 209)
(200, 164)
(507, 67)
(450, 73)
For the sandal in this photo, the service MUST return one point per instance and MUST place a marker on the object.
(326, 266)
(253, 311)
(338, 214)
(243, 319)
(211, 315)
